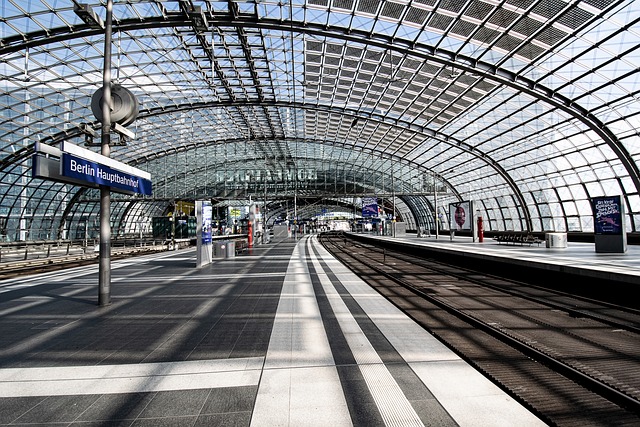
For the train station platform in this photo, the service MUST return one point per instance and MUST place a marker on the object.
(577, 259)
(283, 335)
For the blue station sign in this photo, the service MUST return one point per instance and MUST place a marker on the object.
(78, 166)
(92, 172)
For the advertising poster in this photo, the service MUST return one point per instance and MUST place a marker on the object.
(460, 214)
(203, 232)
(607, 215)
(369, 207)
(207, 212)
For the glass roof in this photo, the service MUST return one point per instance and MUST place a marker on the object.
(528, 107)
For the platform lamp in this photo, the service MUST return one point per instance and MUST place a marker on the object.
(88, 15)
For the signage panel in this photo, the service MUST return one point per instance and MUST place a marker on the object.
(607, 215)
(207, 215)
(78, 166)
(369, 207)
(67, 147)
(204, 249)
(461, 215)
(81, 169)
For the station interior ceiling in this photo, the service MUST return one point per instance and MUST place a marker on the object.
(528, 108)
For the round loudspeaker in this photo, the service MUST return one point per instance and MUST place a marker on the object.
(124, 102)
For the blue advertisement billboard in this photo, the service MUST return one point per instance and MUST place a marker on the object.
(607, 215)
(207, 211)
(369, 207)
(96, 173)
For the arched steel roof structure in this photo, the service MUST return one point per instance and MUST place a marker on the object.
(528, 107)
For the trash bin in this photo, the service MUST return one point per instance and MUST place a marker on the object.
(219, 248)
(556, 240)
(231, 249)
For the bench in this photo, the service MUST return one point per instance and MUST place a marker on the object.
(517, 238)
(241, 245)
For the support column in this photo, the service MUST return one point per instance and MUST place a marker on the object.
(104, 275)
(435, 205)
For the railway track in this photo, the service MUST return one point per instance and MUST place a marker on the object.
(573, 361)
(10, 270)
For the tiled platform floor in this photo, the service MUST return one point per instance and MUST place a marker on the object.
(577, 257)
(282, 336)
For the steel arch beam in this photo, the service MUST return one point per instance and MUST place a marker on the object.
(419, 50)
(396, 123)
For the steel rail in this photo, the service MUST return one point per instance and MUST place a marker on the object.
(588, 382)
